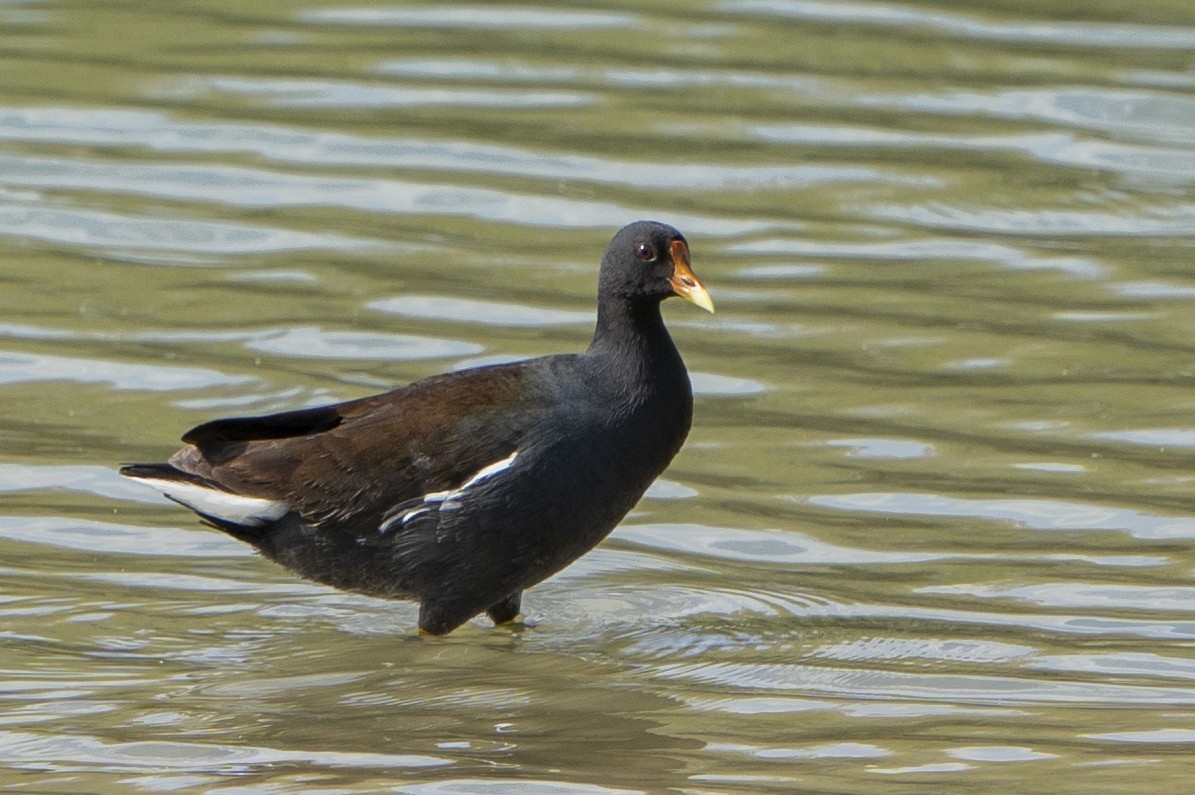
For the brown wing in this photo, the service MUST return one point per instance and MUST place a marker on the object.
(347, 465)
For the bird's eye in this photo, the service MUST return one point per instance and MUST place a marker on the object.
(645, 252)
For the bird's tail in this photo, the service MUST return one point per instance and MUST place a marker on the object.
(241, 516)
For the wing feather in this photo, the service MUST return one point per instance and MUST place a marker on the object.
(347, 466)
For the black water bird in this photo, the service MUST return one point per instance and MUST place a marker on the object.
(461, 490)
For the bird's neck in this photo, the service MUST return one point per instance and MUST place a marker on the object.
(632, 360)
(630, 341)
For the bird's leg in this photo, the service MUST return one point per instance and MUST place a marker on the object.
(440, 618)
(507, 610)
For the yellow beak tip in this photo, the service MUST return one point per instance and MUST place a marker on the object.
(700, 298)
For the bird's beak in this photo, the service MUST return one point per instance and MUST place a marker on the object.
(683, 282)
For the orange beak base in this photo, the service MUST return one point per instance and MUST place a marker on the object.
(683, 282)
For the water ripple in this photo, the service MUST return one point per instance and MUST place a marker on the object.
(1176, 220)
(920, 249)
(763, 546)
(999, 753)
(1162, 438)
(299, 146)
(120, 232)
(1034, 514)
(714, 385)
(1171, 736)
(518, 18)
(862, 683)
(883, 448)
(295, 93)
(98, 480)
(842, 750)
(1134, 114)
(119, 539)
(256, 188)
(1163, 164)
(1125, 664)
(18, 368)
(315, 343)
(1141, 598)
(1039, 32)
(481, 786)
(490, 313)
(73, 750)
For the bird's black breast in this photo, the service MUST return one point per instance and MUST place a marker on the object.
(580, 467)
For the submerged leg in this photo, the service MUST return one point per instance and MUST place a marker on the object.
(440, 618)
(507, 610)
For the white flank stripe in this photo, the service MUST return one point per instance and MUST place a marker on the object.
(234, 508)
(485, 473)
(446, 499)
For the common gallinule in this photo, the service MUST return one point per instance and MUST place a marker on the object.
(463, 489)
